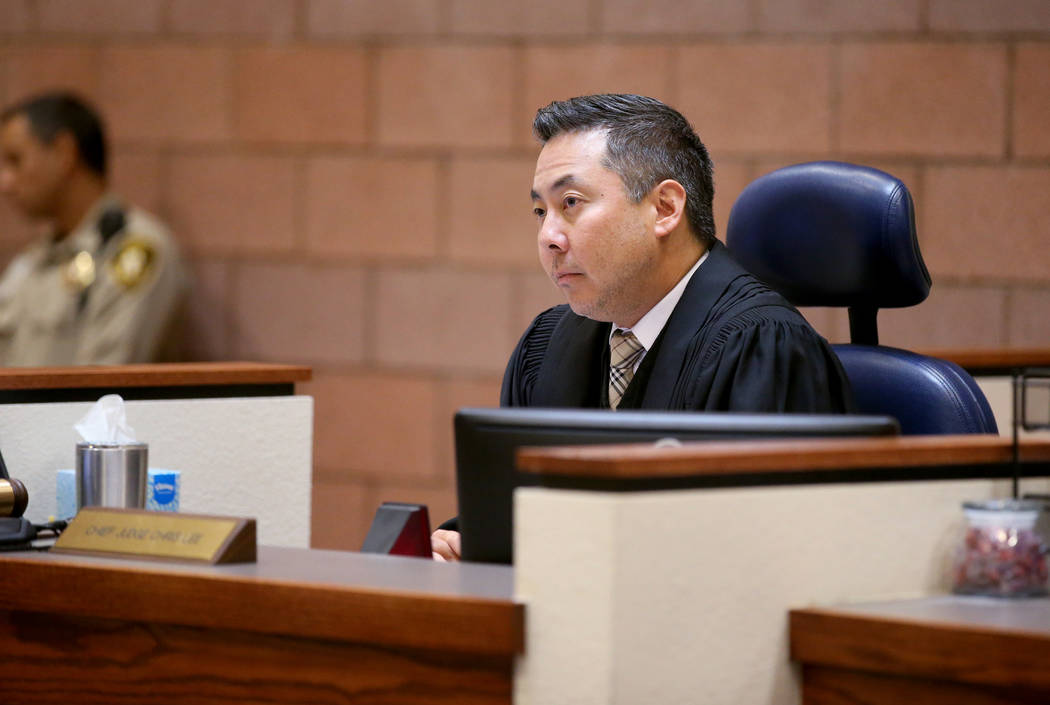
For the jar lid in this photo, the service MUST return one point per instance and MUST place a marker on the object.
(1020, 513)
(1006, 505)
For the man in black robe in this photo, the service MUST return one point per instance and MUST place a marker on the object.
(659, 316)
(731, 344)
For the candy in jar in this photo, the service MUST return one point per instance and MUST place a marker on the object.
(1001, 554)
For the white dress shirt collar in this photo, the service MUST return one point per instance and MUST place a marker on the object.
(649, 326)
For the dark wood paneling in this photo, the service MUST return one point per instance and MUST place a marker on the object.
(832, 686)
(295, 605)
(956, 652)
(57, 660)
(298, 626)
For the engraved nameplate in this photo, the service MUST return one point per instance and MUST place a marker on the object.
(134, 533)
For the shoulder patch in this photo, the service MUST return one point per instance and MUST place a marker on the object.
(132, 262)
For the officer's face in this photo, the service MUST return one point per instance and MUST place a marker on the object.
(31, 173)
(595, 243)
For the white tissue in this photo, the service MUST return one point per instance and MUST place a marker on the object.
(106, 422)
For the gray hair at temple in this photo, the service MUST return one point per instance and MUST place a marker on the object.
(647, 142)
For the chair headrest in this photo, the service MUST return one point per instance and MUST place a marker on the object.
(831, 234)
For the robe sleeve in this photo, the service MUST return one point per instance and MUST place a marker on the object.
(522, 368)
(525, 361)
(768, 363)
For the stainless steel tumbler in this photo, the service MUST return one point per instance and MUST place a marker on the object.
(112, 475)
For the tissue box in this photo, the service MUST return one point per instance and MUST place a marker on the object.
(162, 492)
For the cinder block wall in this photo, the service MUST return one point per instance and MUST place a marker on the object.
(350, 176)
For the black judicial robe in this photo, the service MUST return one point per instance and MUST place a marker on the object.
(731, 344)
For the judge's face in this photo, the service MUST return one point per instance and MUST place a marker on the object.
(32, 174)
(596, 245)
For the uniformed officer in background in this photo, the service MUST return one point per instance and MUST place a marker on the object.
(106, 284)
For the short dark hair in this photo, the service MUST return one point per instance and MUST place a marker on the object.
(647, 141)
(52, 113)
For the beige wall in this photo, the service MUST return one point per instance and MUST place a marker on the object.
(683, 596)
(350, 175)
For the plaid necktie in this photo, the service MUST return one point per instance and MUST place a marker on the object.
(624, 351)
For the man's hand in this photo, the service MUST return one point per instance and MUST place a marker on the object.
(445, 545)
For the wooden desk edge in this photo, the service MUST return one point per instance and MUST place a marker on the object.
(996, 361)
(178, 374)
(471, 624)
(644, 460)
(963, 652)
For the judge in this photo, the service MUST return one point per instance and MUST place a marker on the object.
(659, 315)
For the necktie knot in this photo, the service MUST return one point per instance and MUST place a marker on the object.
(624, 352)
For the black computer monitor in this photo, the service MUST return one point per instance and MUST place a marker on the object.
(486, 441)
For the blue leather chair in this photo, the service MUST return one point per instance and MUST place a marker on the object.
(835, 234)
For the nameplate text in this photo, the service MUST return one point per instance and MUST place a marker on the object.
(133, 533)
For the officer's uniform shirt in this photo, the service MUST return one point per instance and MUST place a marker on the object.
(110, 292)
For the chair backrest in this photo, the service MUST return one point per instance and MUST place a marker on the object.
(837, 234)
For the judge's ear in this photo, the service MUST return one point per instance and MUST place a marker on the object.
(668, 198)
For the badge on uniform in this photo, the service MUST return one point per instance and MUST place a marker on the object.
(132, 262)
(80, 271)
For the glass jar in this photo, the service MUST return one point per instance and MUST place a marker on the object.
(1001, 554)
